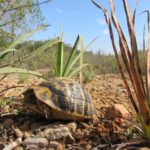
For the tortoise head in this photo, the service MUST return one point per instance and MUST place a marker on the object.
(30, 100)
(37, 100)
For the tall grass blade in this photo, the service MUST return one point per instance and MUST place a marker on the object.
(43, 47)
(134, 12)
(7, 70)
(133, 42)
(133, 71)
(5, 52)
(91, 43)
(148, 72)
(108, 21)
(131, 61)
(59, 60)
(19, 40)
(144, 49)
(77, 70)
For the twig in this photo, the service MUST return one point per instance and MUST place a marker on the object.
(3, 77)
(12, 21)
(12, 87)
(133, 144)
(24, 6)
(15, 61)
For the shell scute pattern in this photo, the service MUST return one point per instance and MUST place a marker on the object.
(66, 98)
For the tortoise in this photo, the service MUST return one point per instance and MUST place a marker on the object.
(60, 98)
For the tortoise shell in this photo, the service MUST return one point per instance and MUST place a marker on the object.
(60, 98)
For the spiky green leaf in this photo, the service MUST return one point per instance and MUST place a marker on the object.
(7, 70)
(59, 61)
(5, 52)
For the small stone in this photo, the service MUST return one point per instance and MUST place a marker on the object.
(18, 148)
(7, 108)
(117, 110)
(143, 148)
(55, 145)
(18, 133)
(15, 111)
(8, 123)
(27, 134)
(32, 147)
(72, 127)
(58, 133)
(96, 122)
(41, 142)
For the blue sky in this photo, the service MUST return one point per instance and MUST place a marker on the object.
(82, 17)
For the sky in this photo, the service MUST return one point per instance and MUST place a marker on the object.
(83, 18)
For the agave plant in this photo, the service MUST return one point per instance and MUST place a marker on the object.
(130, 57)
(70, 68)
(6, 69)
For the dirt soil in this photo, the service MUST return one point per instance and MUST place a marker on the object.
(19, 127)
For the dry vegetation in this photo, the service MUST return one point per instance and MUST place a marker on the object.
(21, 128)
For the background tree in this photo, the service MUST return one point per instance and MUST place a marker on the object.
(20, 16)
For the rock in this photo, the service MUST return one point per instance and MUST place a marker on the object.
(33, 147)
(96, 122)
(53, 145)
(117, 110)
(143, 148)
(72, 127)
(18, 148)
(8, 123)
(36, 141)
(13, 144)
(27, 134)
(7, 108)
(18, 133)
(57, 132)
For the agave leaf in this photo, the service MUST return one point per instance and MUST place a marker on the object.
(43, 47)
(81, 58)
(5, 52)
(7, 70)
(61, 32)
(24, 37)
(59, 62)
(71, 56)
(77, 70)
(74, 61)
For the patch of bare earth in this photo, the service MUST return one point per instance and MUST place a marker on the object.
(21, 129)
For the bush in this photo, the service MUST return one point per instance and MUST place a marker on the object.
(88, 73)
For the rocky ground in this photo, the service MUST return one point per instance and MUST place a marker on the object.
(112, 130)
